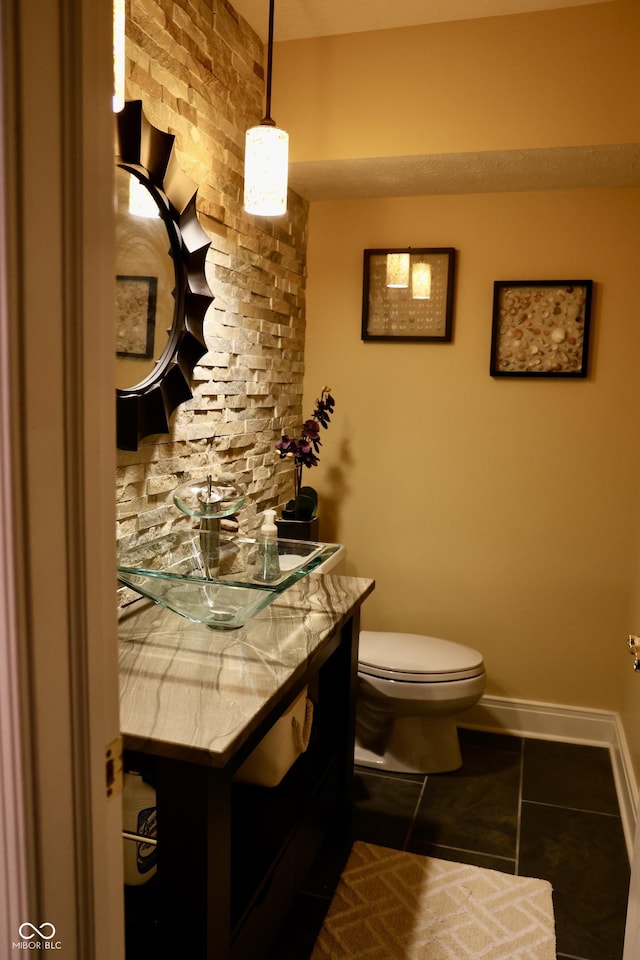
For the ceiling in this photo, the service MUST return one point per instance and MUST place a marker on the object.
(297, 19)
(616, 165)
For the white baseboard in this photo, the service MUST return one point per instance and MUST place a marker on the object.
(547, 721)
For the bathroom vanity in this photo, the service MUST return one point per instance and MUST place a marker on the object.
(195, 702)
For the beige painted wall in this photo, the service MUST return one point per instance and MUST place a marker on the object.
(501, 514)
(498, 513)
(557, 78)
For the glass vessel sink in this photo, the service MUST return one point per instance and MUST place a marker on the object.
(211, 577)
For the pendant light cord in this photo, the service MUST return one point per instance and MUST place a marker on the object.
(267, 118)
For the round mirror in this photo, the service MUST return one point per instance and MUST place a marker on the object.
(162, 293)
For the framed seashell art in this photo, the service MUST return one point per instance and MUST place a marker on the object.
(541, 328)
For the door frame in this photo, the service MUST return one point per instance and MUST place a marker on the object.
(58, 634)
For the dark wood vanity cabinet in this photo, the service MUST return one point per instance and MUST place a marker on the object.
(233, 856)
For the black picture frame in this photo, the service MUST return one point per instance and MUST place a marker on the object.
(541, 328)
(394, 314)
(136, 299)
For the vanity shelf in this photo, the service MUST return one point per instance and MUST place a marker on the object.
(265, 821)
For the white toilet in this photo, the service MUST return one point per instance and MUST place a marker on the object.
(410, 690)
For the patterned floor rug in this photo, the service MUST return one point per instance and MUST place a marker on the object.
(392, 905)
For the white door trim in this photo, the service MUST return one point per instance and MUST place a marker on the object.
(57, 481)
(14, 876)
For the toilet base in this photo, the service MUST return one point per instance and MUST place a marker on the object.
(415, 745)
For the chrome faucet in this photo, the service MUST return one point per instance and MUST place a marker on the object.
(209, 501)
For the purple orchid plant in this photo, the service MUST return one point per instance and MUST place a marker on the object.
(305, 449)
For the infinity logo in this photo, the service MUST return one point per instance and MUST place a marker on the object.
(36, 930)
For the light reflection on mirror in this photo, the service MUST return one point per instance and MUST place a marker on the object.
(141, 201)
(145, 284)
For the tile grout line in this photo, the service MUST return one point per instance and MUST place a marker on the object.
(470, 852)
(562, 806)
(415, 813)
(519, 809)
(569, 956)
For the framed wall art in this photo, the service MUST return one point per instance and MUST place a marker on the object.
(135, 315)
(408, 294)
(540, 328)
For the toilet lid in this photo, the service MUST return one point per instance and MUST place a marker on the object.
(411, 656)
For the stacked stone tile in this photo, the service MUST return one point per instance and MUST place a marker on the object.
(197, 67)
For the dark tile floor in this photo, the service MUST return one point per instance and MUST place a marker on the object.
(528, 807)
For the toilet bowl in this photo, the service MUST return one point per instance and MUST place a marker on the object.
(410, 690)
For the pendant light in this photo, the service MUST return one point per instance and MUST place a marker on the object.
(421, 281)
(266, 156)
(398, 269)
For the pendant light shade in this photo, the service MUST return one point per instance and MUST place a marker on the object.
(266, 168)
(266, 158)
(398, 269)
(421, 281)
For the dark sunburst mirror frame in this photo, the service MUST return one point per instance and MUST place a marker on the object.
(147, 153)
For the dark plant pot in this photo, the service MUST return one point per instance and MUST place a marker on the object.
(298, 529)
(306, 504)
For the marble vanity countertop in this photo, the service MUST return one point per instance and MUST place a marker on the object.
(192, 693)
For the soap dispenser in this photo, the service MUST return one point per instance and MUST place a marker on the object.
(268, 565)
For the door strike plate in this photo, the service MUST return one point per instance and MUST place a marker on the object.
(113, 768)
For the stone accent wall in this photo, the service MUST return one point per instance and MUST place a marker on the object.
(197, 67)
